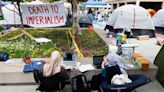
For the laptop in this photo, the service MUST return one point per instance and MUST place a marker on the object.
(69, 59)
(97, 60)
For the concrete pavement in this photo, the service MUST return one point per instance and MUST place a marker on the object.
(147, 48)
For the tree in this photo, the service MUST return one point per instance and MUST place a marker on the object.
(21, 19)
(19, 10)
(75, 26)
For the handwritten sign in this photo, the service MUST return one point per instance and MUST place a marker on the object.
(44, 15)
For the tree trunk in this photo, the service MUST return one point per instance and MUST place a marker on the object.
(75, 26)
(22, 26)
(20, 13)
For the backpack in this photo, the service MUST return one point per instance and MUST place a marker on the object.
(96, 81)
(79, 83)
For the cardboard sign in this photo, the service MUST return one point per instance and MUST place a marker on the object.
(44, 15)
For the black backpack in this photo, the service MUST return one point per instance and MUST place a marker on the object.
(79, 83)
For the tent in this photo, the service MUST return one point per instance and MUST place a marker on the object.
(3, 3)
(151, 12)
(67, 5)
(134, 17)
(34, 2)
(10, 13)
(158, 18)
(159, 21)
(93, 3)
(11, 16)
(85, 20)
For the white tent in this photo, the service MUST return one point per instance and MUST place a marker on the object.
(10, 13)
(67, 5)
(11, 16)
(34, 2)
(158, 18)
(131, 16)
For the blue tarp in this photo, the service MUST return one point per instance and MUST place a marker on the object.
(93, 3)
(3, 3)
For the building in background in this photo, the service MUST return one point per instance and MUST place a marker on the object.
(153, 4)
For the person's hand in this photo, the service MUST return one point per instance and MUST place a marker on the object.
(105, 58)
(105, 61)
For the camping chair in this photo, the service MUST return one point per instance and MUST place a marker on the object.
(48, 84)
(137, 81)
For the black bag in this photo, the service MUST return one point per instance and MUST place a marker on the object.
(96, 81)
(79, 83)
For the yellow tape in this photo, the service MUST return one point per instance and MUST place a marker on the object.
(79, 54)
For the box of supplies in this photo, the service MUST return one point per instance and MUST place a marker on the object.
(143, 37)
(141, 62)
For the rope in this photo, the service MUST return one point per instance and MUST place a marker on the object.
(80, 55)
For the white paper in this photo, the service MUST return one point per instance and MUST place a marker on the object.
(42, 40)
(11, 61)
(87, 67)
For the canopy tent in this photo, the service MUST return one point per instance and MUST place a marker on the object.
(93, 3)
(159, 21)
(133, 17)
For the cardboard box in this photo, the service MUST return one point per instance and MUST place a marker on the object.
(160, 41)
(143, 37)
(144, 63)
(136, 55)
(141, 62)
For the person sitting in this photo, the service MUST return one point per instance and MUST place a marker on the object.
(117, 78)
(114, 76)
(51, 76)
(112, 64)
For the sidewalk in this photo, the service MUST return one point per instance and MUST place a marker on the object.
(147, 48)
